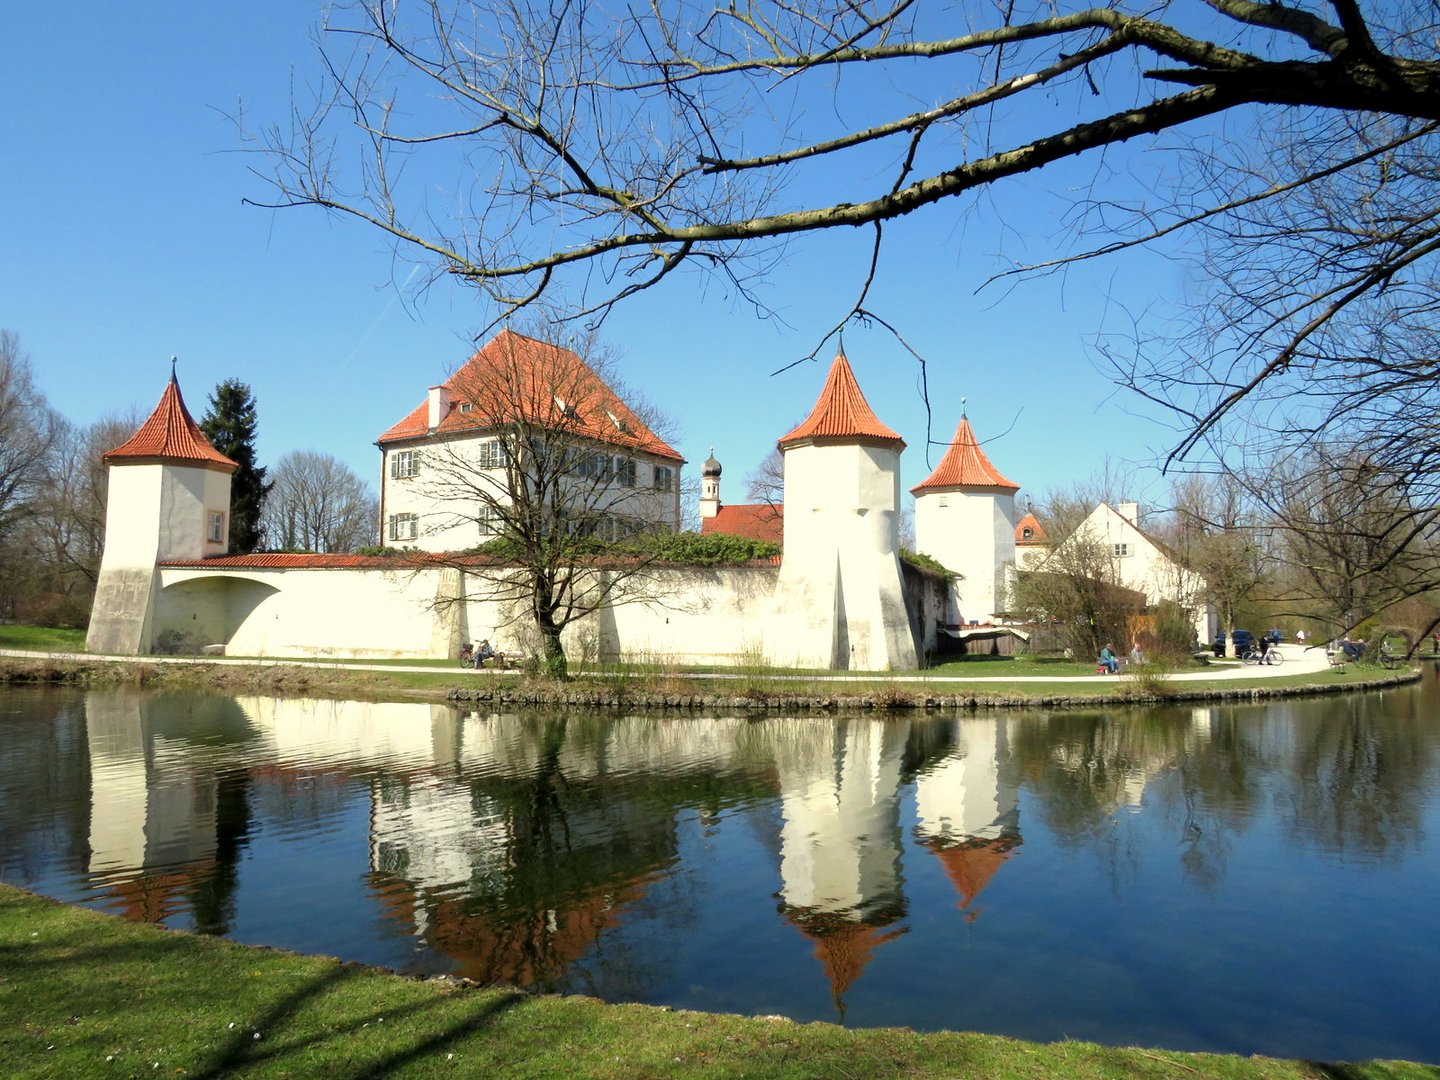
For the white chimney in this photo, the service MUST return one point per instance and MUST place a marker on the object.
(1130, 511)
(438, 406)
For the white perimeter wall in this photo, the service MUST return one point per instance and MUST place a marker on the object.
(302, 612)
(694, 616)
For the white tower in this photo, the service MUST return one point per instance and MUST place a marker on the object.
(965, 518)
(839, 597)
(710, 486)
(169, 500)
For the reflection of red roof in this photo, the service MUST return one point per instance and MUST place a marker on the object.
(517, 378)
(842, 414)
(170, 435)
(1037, 534)
(510, 946)
(965, 466)
(842, 945)
(754, 521)
(971, 865)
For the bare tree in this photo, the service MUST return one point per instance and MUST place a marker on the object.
(607, 147)
(28, 430)
(558, 480)
(317, 503)
(632, 141)
(1352, 544)
(1218, 531)
(766, 484)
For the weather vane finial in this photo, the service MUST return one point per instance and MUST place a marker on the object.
(962, 406)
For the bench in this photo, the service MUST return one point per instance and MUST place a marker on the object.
(505, 660)
(1337, 659)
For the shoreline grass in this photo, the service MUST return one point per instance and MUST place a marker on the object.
(88, 994)
(666, 688)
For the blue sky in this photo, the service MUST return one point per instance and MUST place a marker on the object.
(126, 242)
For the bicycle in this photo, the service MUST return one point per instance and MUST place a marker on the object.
(1272, 655)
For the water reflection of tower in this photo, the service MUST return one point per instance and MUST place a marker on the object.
(969, 807)
(167, 824)
(840, 841)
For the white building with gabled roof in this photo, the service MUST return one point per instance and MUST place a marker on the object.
(1144, 563)
(443, 465)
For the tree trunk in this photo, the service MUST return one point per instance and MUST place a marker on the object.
(552, 658)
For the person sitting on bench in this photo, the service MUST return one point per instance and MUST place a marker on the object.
(1108, 660)
(483, 652)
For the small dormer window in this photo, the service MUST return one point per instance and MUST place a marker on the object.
(466, 406)
(1027, 533)
(566, 409)
(620, 425)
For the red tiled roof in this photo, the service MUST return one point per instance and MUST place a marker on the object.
(965, 466)
(1037, 532)
(514, 377)
(754, 521)
(292, 561)
(842, 414)
(171, 435)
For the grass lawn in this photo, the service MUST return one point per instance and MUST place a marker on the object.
(88, 995)
(41, 638)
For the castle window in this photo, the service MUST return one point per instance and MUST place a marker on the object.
(944, 500)
(404, 526)
(1026, 533)
(1119, 551)
(490, 520)
(592, 466)
(664, 478)
(625, 471)
(492, 454)
(404, 463)
(215, 526)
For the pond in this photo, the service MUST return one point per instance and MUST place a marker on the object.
(1255, 879)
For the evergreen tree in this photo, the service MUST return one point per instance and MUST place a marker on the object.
(230, 426)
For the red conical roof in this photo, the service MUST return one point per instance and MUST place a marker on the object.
(170, 435)
(842, 414)
(1030, 531)
(965, 466)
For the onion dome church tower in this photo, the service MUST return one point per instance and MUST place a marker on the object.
(839, 599)
(710, 486)
(965, 518)
(169, 500)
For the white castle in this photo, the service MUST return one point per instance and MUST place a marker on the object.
(840, 598)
